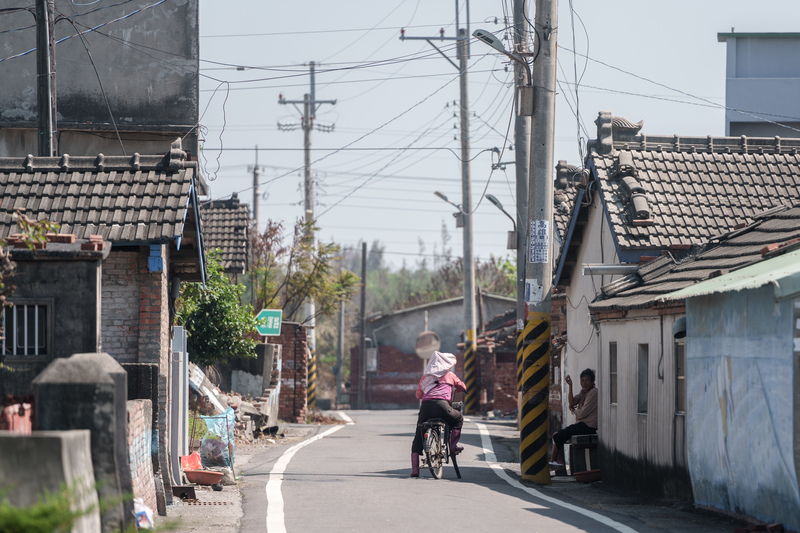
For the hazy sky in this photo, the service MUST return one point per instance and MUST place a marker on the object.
(395, 137)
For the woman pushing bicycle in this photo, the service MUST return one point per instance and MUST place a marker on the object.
(436, 389)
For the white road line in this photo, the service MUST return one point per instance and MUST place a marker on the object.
(491, 459)
(275, 517)
(343, 416)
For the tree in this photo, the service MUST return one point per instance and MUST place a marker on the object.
(218, 325)
(286, 276)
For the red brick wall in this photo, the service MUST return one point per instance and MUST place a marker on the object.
(394, 384)
(135, 318)
(293, 401)
(136, 327)
(140, 436)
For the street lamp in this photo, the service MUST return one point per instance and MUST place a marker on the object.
(490, 39)
(511, 243)
(458, 216)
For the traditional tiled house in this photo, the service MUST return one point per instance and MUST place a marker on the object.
(226, 226)
(147, 208)
(647, 195)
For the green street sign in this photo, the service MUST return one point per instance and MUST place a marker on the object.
(269, 321)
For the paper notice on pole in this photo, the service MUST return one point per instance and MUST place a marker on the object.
(533, 291)
(539, 242)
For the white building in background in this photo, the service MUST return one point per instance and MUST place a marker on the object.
(762, 81)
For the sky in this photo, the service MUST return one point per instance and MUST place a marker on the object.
(392, 137)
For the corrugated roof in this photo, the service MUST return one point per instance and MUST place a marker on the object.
(783, 272)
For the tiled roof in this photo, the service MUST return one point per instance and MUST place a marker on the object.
(225, 227)
(126, 199)
(722, 254)
(673, 193)
(570, 182)
(662, 192)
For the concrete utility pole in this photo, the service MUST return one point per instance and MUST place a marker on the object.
(46, 72)
(339, 354)
(362, 350)
(310, 106)
(470, 363)
(522, 140)
(257, 173)
(534, 442)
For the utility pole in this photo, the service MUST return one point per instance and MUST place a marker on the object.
(534, 442)
(470, 359)
(339, 354)
(46, 85)
(257, 172)
(362, 350)
(310, 106)
(522, 140)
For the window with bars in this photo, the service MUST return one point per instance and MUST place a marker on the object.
(644, 365)
(25, 330)
(612, 360)
(680, 376)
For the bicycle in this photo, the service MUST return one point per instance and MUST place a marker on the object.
(436, 444)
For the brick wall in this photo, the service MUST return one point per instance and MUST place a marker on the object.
(394, 384)
(136, 329)
(293, 401)
(505, 394)
(140, 436)
(120, 318)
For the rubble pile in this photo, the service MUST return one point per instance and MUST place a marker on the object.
(207, 399)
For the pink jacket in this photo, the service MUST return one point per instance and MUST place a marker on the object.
(442, 391)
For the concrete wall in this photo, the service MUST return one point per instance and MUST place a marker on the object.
(49, 460)
(159, 43)
(140, 439)
(70, 290)
(642, 452)
(763, 78)
(740, 417)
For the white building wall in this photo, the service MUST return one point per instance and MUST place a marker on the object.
(581, 350)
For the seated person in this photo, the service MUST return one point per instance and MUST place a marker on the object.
(584, 406)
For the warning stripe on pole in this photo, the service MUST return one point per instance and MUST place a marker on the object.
(535, 383)
(312, 381)
(470, 375)
(524, 337)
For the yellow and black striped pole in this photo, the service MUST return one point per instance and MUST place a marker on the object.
(470, 375)
(535, 384)
(524, 338)
(312, 381)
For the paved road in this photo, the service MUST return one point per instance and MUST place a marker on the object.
(355, 478)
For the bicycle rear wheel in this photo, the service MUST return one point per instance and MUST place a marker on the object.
(433, 453)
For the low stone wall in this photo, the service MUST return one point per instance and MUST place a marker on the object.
(50, 460)
(140, 442)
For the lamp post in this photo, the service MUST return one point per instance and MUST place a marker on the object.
(511, 243)
(464, 220)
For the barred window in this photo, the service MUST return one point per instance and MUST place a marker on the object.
(25, 330)
(612, 360)
(644, 364)
(680, 376)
